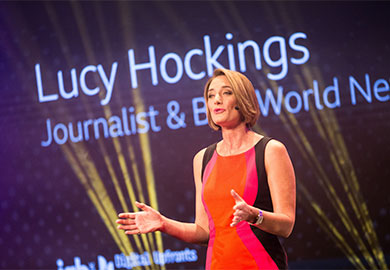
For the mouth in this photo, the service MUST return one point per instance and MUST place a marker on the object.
(219, 110)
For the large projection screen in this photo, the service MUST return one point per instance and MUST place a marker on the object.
(101, 105)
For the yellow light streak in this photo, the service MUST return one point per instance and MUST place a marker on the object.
(124, 12)
(114, 179)
(328, 227)
(96, 191)
(107, 112)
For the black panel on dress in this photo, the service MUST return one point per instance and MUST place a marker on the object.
(263, 201)
(208, 154)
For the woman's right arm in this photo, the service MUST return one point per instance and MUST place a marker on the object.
(150, 220)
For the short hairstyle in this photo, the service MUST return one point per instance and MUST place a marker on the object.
(244, 92)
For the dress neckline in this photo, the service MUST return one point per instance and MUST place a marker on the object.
(238, 153)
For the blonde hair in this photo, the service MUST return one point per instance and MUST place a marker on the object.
(244, 92)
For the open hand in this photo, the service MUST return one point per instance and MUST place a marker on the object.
(145, 221)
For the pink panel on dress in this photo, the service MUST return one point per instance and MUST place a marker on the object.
(262, 258)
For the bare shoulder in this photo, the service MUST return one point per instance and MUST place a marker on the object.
(275, 147)
(197, 165)
(199, 156)
(276, 156)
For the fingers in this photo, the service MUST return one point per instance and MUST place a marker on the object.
(143, 206)
(235, 221)
(127, 227)
(126, 215)
(236, 197)
(239, 208)
(237, 218)
(125, 221)
(129, 222)
(136, 231)
(132, 230)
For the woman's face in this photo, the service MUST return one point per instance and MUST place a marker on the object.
(222, 102)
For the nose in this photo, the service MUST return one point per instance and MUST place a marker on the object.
(217, 99)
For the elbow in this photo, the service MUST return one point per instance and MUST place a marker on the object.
(284, 227)
(202, 236)
(287, 233)
(287, 230)
(203, 242)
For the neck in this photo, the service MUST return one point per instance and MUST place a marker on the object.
(235, 139)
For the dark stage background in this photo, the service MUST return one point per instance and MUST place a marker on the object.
(101, 105)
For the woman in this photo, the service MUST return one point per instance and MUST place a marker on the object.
(245, 186)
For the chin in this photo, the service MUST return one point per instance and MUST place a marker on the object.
(225, 125)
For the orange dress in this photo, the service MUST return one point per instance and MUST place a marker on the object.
(243, 246)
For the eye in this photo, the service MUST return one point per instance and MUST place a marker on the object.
(228, 93)
(211, 95)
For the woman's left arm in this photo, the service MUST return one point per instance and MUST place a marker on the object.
(281, 181)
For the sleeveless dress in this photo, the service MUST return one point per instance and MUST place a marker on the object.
(243, 246)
